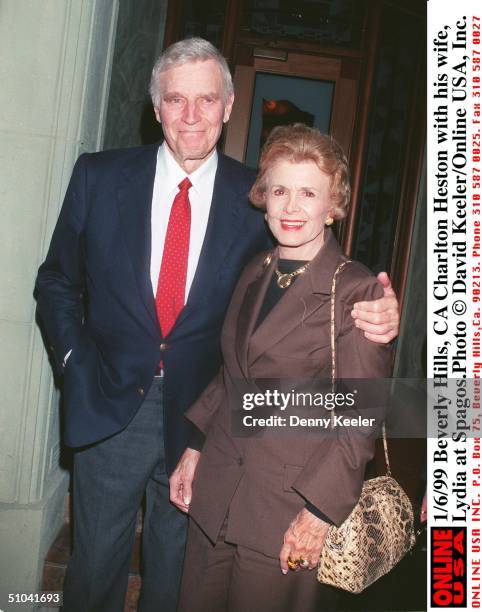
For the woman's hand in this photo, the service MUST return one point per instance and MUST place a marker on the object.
(303, 541)
(180, 482)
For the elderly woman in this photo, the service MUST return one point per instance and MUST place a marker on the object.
(262, 506)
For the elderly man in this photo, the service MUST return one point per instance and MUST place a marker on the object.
(143, 260)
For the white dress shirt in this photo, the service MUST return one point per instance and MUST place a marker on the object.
(168, 176)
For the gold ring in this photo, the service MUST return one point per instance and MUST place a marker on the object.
(293, 564)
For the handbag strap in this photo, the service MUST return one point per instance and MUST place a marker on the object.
(332, 323)
(333, 359)
(385, 449)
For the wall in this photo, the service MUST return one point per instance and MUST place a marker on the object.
(140, 32)
(55, 74)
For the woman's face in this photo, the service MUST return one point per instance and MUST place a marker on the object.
(297, 206)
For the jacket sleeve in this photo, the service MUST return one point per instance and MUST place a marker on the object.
(61, 281)
(203, 411)
(332, 478)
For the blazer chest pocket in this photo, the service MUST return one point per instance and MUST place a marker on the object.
(291, 473)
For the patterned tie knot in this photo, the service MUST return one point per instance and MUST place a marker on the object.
(185, 185)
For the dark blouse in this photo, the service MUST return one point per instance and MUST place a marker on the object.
(275, 292)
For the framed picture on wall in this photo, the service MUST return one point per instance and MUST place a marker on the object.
(284, 100)
(314, 90)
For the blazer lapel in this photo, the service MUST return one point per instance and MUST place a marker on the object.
(134, 198)
(225, 217)
(309, 292)
(249, 312)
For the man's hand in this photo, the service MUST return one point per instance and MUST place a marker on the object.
(303, 541)
(180, 483)
(379, 319)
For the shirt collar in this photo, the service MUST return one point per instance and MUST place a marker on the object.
(174, 174)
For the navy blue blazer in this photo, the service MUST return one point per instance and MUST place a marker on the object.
(95, 295)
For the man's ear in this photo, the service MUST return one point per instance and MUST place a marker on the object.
(157, 112)
(228, 108)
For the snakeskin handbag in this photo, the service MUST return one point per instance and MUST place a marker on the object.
(379, 530)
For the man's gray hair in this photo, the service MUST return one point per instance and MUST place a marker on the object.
(188, 50)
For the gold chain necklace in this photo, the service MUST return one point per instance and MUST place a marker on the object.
(284, 280)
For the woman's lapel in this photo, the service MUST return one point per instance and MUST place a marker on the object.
(310, 291)
(249, 310)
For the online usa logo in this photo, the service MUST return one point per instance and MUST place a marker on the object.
(448, 568)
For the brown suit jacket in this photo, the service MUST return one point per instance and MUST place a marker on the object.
(264, 482)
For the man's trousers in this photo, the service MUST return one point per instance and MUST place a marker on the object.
(110, 479)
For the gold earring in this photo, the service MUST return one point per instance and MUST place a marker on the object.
(329, 221)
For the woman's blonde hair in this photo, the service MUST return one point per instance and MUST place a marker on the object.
(298, 143)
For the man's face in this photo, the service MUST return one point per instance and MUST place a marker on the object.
(192, 110)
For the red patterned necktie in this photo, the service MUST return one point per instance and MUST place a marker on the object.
(171, 285)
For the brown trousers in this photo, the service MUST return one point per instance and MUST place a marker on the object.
(230, 578)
